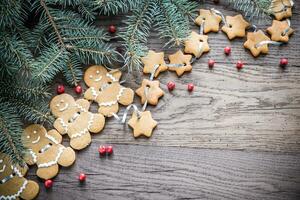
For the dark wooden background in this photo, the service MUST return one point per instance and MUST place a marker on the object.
(235, 137)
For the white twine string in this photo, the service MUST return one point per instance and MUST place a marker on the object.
(221, 14)
(287, 29)
(201, 28)
(267, 42)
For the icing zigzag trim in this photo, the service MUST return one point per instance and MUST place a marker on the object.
(53, 162)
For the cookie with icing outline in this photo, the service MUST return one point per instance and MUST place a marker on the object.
(180, 58)
(237, 26)
(280, 31)
(74, 119)
(210, 19)
(253, 39)
(152, 94)
(46, 151)
(105, 89)
(13, 184)
(196, 44)
(152, 59)
(142, 125)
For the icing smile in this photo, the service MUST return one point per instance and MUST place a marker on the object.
(98, 79)
(3, 168)
(36, 141)
(64, 108)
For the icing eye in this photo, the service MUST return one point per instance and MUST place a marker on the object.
(28, 137)
(91, 76)
(97, 72)
(57, 105)
(1, 161)
(34, 132)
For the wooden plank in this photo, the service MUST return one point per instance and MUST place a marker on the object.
(145, 172)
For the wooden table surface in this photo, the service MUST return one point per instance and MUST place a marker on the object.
(235, 137)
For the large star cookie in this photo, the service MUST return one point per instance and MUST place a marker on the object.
(281, 9)
(150, 91)
(143, 125)
(253, 39)
(210, 19)
(153, 59)
(180, 58)
(196, 44)
(280, 31)
(236, 26)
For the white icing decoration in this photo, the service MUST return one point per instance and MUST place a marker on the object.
(57, 105)
(28, 137)
(3, 168)
(33, 155)
(94, 93)
(1, 161)
(36, 141)
(17, 194)
(64, 125)
(64, 108)
(82, 109)
(81, 133)
(53, 162)
(110, 103)
(98, 79)
(90, 122)
(97, 71)
(34, 132)
(91, 76)
(111, 77)
(51, 138)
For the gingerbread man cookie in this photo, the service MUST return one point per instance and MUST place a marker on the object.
(150, 91)
(253, 40)
(210, 19)
(196, 44)
(281, 9)
(236, 26)
(46, 151)
(180, 58)
(142, 124)
(106, 90)
(13, 185)
(280, 31)
(74, 119)
(153, 59)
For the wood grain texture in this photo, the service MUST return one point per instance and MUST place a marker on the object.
(145, 172)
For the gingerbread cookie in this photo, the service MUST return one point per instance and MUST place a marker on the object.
(150, 91)
(196, 44)
(280, 31)
(210, 20)
(106, 90)
(180, 58)
(236, 26)
(46, 151)
(74, 119)
(281, 9)
(253, 39)
(13, 185)
(153, 59)
(142, 124)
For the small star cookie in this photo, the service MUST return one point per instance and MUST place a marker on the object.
(153, 59)
(210, 19)
(281, 9)
(280, 31)
(196, 44)
(152, 95)
(253, 39)
(143, 125)
(236, 26)
(180, 58)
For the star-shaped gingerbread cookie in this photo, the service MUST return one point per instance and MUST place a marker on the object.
(253, 39)
(143, 125)
(153, 59)
(210, 19)
(196, 44)
(280, 31)
(236, 26)
(281, 9)
(150, 91)
(180, 58)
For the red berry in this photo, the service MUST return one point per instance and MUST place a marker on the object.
(102, 150)
(109, 150)
(284, 62)
(112, 29)
(82, 177)
(211, 63)
(227, 50)
(239, 65)
(190, 87)
(48, 183)
(171, 85)
(78, 89)
(60, 89)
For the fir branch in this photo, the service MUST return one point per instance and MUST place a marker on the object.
(186, 8)
(113, 7)
(10, 134)
(73, 71)
(11, 13)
